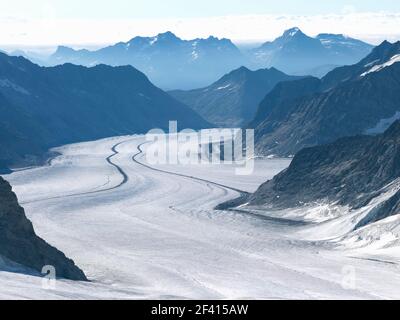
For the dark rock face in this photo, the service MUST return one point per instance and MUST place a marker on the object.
(42, 107)
(388, 208)
(20, 244)
(348, 101)
(280, 102)
(350, 171)
(233, 100)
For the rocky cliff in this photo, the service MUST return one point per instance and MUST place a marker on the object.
(20, 244)
(351, 171)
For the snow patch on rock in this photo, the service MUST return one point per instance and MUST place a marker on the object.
(379, 67)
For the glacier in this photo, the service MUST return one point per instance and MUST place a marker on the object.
(143, 232)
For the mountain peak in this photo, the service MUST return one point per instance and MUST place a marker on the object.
(386, 45)
(64, 49)
(293, 32)
(168, 35)
(241, 70)
(384, 52)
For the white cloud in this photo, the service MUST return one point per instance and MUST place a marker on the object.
(373, 27)
(349, 9)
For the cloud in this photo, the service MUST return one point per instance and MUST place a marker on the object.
(369, 26)
(349, 9)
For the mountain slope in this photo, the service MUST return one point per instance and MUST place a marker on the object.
(348, 101)
(20, 244)
(46, 107)
(353, 172)
(233, 99)
(296, 53)
(167, 60)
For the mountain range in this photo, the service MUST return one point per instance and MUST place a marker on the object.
(167, 60)
(350, 100)
(173, 63)
(232, 101)
(296, 53)
(46, 107)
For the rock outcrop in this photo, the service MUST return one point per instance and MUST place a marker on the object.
(351, 171)
(20, 244)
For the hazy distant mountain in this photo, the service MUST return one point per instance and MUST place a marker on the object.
(296, 53)
(233, 100)
(168, 61)
(343, 47)
(45, 107)
(173, 63)
(31, 56)
(350, 100)
(20, 245)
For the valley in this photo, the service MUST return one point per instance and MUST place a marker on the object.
(150, 232)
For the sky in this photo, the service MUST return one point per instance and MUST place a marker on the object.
(88, 23)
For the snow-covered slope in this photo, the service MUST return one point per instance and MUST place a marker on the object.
(379, 67)
(139, 233)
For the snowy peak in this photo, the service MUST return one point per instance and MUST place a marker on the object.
(169, 61)
(329, 40)
(383, 56)
(297, 53)
(293, 32)
(378, 59)
(292, 35)
(382, 53)
(162, 38)
(214, 43)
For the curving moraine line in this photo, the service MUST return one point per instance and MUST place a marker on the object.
(125, 179)
(140, 152)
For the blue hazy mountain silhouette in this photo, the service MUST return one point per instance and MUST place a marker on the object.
(232, 100)
(296, 53)
(167, 60)
(173, 63)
